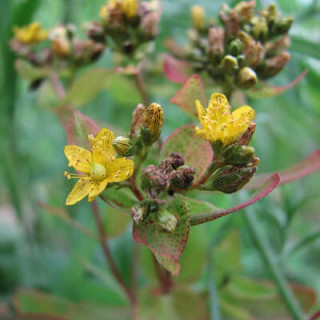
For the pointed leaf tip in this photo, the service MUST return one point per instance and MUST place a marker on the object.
(267, 90)
(192, 90)
(296, 172)
(269, 186)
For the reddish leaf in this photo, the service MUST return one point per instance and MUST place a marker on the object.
(79, 128)
(315, 316)
(267, 90)
(191, 91)
(270, 185)
(197, 152)
(176, 70)
(167, 246)
(296, 172)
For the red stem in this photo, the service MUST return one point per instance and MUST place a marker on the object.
(315, 316)
(108, 255)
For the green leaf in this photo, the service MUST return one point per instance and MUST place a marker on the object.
(265, 90)
(227, 257)
(78, 129)
(106, 279)
(191, 91)
(120, 197)
(196, 152)
(47, 98)
(198, 206)
(304, 46)
(87, 311)
(124, 91)
(87, 86)
(249, 289)
(38, 302)
(167, 246)
(29, 72)
(116, 221)
(234, 312)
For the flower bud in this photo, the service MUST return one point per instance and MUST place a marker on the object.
(259, 28)
(235, 47)
(123, 146)
(167, 221)
(152, 120)
(274, 65)
(245, 10)
(229, 64)
(247, 136)
(138, 213)
(246, 78)
(282, 26)
(274, 48)
(229, 179)
(197, 13)
(129, 8)
(216, 41)
(137, 117)
(182, 178)
(238, 155)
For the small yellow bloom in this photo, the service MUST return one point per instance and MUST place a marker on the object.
(31, 34)
(130, 8)
(197, 13)
(109, 6)
(97, 168)
(219, 124)
(60, 42)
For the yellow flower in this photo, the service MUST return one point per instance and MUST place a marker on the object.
(31, 34)
(130, 8)
(109, 6)
(219, 124)
(197, 13)
(97, 168)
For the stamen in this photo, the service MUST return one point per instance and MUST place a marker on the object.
(72, 175)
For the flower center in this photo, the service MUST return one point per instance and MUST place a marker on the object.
(97, 171)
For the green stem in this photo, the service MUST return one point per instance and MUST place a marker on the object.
(269, 259)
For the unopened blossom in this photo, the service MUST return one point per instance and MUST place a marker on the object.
(96, 168)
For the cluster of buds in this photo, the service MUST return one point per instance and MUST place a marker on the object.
(169, 176)
(145, 130)
(58, 47)
(127, 25)
(247, 46)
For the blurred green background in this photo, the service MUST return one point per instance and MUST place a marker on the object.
(40, 251)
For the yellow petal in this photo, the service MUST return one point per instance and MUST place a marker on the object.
(102, 148)
(97, 188)
(79, 191)
(78, 157)
(120, 169)
(200, 109)
(244, 114)
(219, 99)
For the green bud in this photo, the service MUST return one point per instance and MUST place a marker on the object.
(229, 179)
(235, 47)
(245, 10)
(123, 146)
(259, 28)
(246, 78)
(229, 64)
(238, 155)
(167, 221)
(282, 26)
